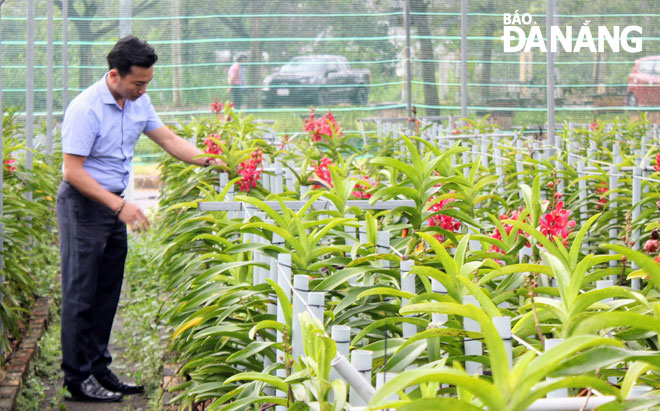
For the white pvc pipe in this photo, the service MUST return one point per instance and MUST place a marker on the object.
(503, 327)
(570, 403)
(600, 284)
(407, 285)
(439, 320)
(472, 347)
(278, 178)
(465, 157)
(283, 280)
(519, 161)
(272, 307)
(561, 393)
(362, 387)
(363, 232)
(637, 391)
(636, 198)
(316, 302)
(289, 179)
(341, 335)
(361, 360)
(582, 192)
(524, 252)
(437, 287)
(474, 245)
(383, 246)
(381, 379)
(301, 285)
(614, 184)
(484, 150)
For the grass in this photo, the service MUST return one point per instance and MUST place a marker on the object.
(141, 334)
(44, 371)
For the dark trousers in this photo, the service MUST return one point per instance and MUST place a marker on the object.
(93, 248)
(237, 93)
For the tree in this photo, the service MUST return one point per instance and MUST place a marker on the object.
(82, 20)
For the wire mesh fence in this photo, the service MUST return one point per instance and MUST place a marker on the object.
(346, 55)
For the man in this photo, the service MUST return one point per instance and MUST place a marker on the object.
(236, 80)
(100, 129)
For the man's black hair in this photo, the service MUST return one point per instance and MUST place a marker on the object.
(131, 51)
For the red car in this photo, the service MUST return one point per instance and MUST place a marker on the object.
(644, 83)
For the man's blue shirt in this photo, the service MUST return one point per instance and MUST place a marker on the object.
(96, 127)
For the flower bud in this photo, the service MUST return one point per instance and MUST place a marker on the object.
(551, 184)
(558, 196)
(651, 246)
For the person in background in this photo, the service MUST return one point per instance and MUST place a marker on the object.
(100, 129)
(236, 80)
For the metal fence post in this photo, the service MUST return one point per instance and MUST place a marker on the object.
(550, 74)
(406, 19)
(65, 55)
(464, 57)
(29, 95)
(49, 86)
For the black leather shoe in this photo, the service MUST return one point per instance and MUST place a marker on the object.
(110, 381)
(90, 390)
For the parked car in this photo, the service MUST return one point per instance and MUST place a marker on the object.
(644, 83)
(316, 80)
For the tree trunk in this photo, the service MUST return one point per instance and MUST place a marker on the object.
(421, 22)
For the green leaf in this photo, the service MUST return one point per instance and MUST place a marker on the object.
(403, 357)
(341, 276)
(577, 241)
(420, 322)
(542, 389)
(603, 357)
(643, 261)
(277, 217)
(480, 388)
(585, 300)
(385, 291)
(543, 365)
(602, 321)
(251, 350)
(439, 332)
(441, 254)
(244, 402)
(485, 301)
(258, 376)
(438, 404)
(265, 324)
(635, 370)
(562, 276)
(498, 358)
(287, 310)
(339, 388)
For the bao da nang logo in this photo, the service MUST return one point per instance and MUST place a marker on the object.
(522, 34)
